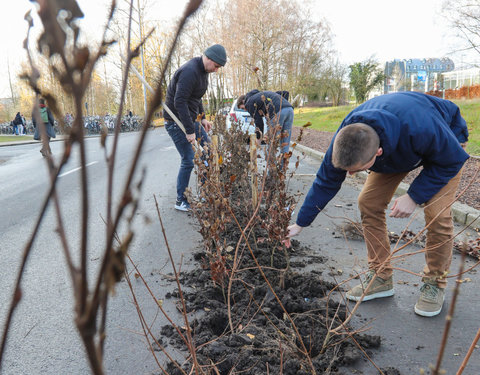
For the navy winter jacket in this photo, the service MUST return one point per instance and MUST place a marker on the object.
(264, 103)
(414, 129)
(185, 91)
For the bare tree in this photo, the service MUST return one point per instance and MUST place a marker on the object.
(464, 17)
(335, 81)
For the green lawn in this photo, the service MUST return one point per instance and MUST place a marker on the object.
(325, 118)
(329, 118)
(14, 138)
(470, 110)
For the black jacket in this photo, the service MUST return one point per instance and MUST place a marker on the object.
(18, 119)
(185, 91)
(264, 103)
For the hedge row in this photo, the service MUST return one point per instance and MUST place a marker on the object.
(466, 92)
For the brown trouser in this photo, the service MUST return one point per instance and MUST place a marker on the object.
(373, 201)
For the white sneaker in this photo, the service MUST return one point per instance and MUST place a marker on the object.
(182, 206)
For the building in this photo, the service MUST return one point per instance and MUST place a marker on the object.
(461, 78)
(416, 74)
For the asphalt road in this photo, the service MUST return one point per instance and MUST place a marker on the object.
(44, 339)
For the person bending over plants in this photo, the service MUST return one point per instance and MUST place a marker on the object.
(391, 135)
(275, 108)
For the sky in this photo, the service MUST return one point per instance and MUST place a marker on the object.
(382, 29)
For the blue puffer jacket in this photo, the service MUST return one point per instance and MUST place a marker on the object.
(185, 91)
(414, 129)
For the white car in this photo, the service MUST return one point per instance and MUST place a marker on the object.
(243, 117)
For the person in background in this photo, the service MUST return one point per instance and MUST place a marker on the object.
(391, 135)
(184, 99)
(275, 108)
(24, 123)
(49, 131)
(17, 121)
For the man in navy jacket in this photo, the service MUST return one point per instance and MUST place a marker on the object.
(275, 107)
(184, 98)
(390, 136)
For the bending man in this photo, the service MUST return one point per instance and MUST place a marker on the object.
(391, 135)
(274, 107)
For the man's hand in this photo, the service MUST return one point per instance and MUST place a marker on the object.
(403, 206)
(293, 230)
(191, 137)
(207, 125)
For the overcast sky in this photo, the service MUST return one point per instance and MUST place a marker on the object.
(384, 29)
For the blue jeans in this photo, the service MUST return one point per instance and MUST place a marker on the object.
(286, 121)
(186, 152)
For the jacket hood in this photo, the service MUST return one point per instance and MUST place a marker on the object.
(249, 94)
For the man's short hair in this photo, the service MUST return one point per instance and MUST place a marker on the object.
(355, 144)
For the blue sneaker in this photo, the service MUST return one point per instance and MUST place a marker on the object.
(182, 206)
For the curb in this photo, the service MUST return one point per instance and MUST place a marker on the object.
(28, 142)
(461, 213)
(58, 138)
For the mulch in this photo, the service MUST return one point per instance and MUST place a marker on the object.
(470, 191)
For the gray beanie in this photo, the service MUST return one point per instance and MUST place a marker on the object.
(217, 53)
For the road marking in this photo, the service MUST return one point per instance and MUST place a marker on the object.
(76, 169)
(167, 148)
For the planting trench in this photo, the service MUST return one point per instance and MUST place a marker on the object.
(264, 341)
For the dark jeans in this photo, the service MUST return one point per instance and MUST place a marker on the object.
(286, 120)
(186, 152)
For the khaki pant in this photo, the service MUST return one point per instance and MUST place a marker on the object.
(373, 201)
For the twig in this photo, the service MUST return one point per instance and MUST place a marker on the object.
(448, 319)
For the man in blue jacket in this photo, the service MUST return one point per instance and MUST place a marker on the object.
(390, 136)
(274, 107)
(184, 98)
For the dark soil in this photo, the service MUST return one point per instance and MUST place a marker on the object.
(263, 340)
(319, 140)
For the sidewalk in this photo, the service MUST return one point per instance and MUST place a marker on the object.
(462, 214)
(25, 140)
(408, 342)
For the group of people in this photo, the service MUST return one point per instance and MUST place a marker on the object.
(19, 124)
(388, 136)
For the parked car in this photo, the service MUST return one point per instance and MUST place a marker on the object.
(243, 117)
(223, 112)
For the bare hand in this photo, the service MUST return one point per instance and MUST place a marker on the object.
(207, 125)
(191, 137)
(293, 230)
(403, 206)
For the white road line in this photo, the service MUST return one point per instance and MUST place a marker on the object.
(76, 169)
